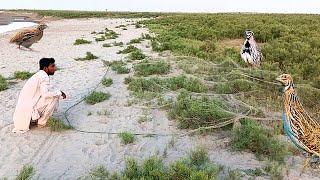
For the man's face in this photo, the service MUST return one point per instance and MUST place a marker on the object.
(50, 69)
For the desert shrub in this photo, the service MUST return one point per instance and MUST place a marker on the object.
(118, 43)
(89, 56)
(146, 68)
(137, 25)
(135, 41)
(235, 86)
(127, 50)
(96, 97)
(262, 142)
(106, 45)
(3, 83)
(101, 38)
(107, 82)
(198, 112)
(57, 125)
(154, 168)
(22, 75)
(81, 41)
(126, 137)
(146, 36)
(26, 173)
(137, 55)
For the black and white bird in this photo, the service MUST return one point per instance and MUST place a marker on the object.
(250, 51)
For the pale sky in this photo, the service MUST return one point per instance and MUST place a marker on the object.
(267, 6)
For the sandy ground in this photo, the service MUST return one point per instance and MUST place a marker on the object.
(69, 155)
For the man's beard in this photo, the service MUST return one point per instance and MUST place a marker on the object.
(51, 73)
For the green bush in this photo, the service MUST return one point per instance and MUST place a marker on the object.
(3, 83)
(260, 141)
(146, 68)
(81, 41)
(173, 83)
(96, 97)
(23, 75)
(119, 67)
(89, 56)
(107, 82)
(199, 156)
(106, 45)
(135, 41)
(101, 38)
(137, 25)
(128, 49)
(235, 86)
(58, 125)
(194, 112)
(118, 43)
(99, 173)
(126, 137)
(146, 36)
(154, 168)
(137, 55)
(109, 34)
(26, 173)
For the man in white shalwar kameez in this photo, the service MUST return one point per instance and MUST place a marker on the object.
(37, 101)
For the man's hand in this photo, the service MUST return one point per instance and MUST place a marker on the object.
(63, 95)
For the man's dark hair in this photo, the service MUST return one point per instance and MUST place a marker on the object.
(45, 62)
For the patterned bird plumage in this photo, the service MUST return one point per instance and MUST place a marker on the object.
(27, 37)
(250, 51)
(302, 130)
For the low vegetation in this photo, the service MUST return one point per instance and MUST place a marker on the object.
(137, 55)
(121, 26)
(26, 173)
(126, 137)
(57, 125)
(194, 112)
(128, 49)
(137, 25)
(173, 83)
(146, 36)
(92, 14)
(23, 75)
(107, 82)
(146, 68)
(101, 38)
(275, 170)
(118, 43)
(3, 83)
(119, 67)
(195, 167)
(110, 34)
(96, 97)
(234, 86)
(106, 45)
(135, 41)
(284, 46)
(89, 56)
(261, 141)
(81, 41)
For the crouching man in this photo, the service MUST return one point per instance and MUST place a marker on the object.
(37, 101)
